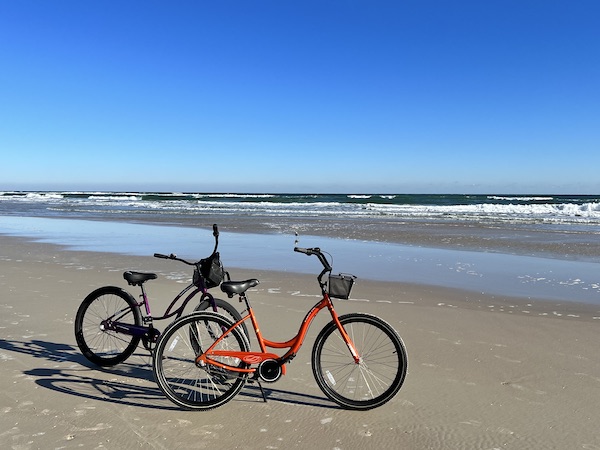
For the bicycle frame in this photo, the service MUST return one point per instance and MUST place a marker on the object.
(148, 331)
(113, 324)
(293, 345)
(179, 311)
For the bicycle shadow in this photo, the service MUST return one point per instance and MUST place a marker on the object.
(111, 391)
(126, 385)
(49, 351)
(252, 391)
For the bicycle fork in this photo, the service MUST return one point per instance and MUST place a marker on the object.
(345, 336)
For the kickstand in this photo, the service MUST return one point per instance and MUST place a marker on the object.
(262, 391)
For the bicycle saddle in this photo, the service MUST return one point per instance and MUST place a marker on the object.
(238, 287)
(138, 278)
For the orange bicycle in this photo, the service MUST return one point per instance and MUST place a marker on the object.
(203, 360)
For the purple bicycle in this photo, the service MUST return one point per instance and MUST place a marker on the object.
(110, 323)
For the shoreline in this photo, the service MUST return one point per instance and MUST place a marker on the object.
(577, 244)
(484, 371)
(479, 271)
(401, 292)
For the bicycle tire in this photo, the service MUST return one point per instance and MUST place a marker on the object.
(174, 363)
(100, 346)
(378, 376)
(224, 308)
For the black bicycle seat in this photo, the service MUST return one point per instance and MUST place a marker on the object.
(238, 287)
(138, 278)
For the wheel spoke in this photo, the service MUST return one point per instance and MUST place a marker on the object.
(177, 374)
(106, 347)
(378, 375)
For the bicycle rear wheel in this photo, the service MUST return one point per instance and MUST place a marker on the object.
(224, 308)
(98, 343)
(379, 374)
(176, 373)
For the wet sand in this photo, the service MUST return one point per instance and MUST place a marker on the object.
(484, 371)
(530, 239)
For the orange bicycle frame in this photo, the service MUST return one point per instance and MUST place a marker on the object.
(293, 345)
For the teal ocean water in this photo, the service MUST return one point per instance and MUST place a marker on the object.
(549, 209)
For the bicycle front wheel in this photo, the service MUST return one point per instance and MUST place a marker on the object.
(179, 377)
(380, 372)
(98, 342)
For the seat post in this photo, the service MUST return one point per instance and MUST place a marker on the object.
(145, 300)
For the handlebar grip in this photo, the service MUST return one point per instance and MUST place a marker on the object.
(160, 255)
(307, 251)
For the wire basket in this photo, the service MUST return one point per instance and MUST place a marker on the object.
(341, 285)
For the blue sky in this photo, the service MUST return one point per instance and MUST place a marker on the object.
(301, 96)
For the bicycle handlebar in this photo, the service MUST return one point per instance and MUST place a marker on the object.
(216, 235)
(307, 251)
(174, 257)
(316, 251)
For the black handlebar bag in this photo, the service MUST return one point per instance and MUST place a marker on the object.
(211, 269)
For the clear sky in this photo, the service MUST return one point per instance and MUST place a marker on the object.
(481, 96)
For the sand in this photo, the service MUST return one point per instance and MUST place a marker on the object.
(484, 372)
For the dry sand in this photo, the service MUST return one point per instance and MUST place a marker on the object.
(484, 372)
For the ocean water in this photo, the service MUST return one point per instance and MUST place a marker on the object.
(536, 209)
(87, 221)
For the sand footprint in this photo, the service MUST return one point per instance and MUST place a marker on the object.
(520, 387)
(365, 432)
(580, 374)
(504, 358)
(472, 422)
(5, 357)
